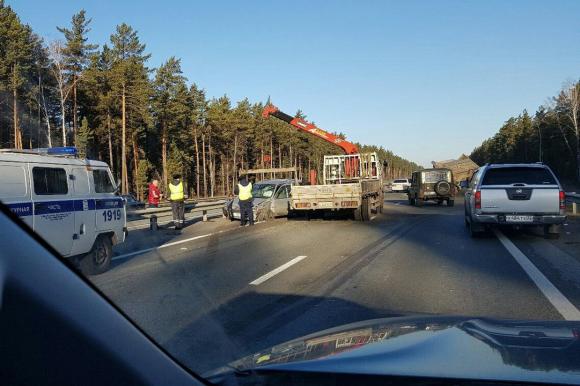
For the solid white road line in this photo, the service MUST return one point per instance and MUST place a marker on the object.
(558, 300)
(124, 256)
(276, 271)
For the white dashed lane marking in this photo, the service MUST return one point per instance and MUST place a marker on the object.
(276, 271)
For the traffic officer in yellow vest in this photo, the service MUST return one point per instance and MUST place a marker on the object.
(244, 191)
(176, 197)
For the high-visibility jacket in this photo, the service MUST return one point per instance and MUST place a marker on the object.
(245, 192)
(176, 191)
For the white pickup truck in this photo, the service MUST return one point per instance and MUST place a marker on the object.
(517, 195)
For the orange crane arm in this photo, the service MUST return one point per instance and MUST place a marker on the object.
(301, 124)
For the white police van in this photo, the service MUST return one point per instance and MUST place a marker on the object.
(71, 202)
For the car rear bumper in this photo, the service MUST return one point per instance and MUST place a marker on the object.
(501, 219)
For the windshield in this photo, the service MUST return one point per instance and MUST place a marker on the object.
(130, 133)
(263, 190)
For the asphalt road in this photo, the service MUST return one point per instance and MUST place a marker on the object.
(216, 292)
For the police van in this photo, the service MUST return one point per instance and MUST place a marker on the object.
(71, 202)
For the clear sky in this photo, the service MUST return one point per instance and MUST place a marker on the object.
(425, 79)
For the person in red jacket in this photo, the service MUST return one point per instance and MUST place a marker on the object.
(154, 194)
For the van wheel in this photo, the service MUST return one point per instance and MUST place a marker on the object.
(98, 259)
(366, 210)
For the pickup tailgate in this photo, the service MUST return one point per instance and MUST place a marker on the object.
(520, 190)
(528, 199)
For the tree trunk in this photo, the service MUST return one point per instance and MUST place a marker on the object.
(45, 114)
(63, 118)
(123, 144)
(211, 168)
(138, 189)
(271, 155)
(17, 132)
(110, 135)
(234, 161)
(204, 166)
(196, 163)
(164, 153)
(74, 110)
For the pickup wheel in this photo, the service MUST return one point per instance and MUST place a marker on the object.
(552, 231)
(98, 259)
(475, 230)
(366, 209)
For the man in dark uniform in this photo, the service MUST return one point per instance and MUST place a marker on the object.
(244, 192)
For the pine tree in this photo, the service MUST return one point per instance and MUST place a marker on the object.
(129, 83)
(15, 62)
(77, 53)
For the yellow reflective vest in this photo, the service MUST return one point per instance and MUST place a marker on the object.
(176, 191)
(245, 192)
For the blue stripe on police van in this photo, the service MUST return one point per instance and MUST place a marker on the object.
(21, 209)
(109, 203)
(48, 207)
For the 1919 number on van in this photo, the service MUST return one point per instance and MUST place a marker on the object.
(111, 215)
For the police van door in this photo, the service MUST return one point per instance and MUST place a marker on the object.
(15, 190)
(110, 209)
(84, 234)
(53, 207)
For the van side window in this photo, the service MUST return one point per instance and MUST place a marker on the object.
(103, 182)
(13, 181)
(49, 181)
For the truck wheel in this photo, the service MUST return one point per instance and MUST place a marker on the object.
(366, 210)
(450, 202)
(552, 231)
(98, 259)
(357, 214)
(419, 201)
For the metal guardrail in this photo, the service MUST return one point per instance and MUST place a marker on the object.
(141, 214)
(575, 197)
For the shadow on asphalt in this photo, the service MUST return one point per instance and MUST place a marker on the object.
(253, 321)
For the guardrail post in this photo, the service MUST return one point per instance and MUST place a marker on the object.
(153, 223)
(574, 208)
(204, 215)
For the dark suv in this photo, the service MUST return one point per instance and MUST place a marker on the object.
(432, 185)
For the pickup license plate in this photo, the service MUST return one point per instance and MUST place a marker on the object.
(516, 218)
(325, 204)
(236, 215)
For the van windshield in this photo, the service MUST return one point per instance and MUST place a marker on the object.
(521, 175)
